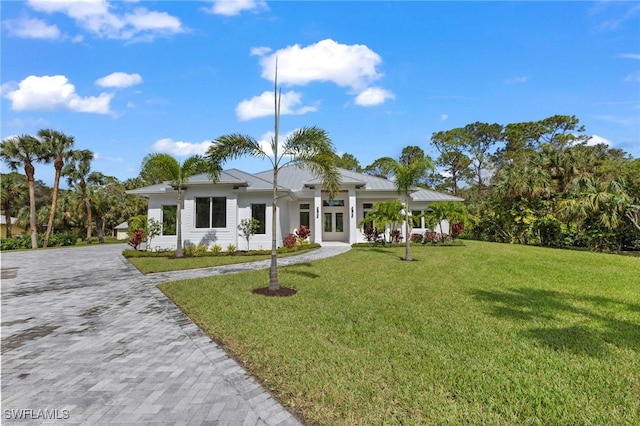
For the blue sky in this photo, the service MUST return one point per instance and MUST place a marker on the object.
(128, 78)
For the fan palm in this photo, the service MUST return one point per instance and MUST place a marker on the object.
(59, 148)
(161, 167)
(13, 191)
(310, 147)
(25, 150)
(78, 173)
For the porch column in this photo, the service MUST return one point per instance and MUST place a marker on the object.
(316, 211)
(353, 217)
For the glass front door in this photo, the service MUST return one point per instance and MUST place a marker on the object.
(333, 223)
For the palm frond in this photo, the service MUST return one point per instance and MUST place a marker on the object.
(230, 147)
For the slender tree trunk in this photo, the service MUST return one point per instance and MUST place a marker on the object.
(54, 200)
(274, 285)
(87, 204)
(33, 224)
(179, 225)
(407, 243)
(7, 223)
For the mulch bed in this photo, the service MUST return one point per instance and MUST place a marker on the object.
(281, 292)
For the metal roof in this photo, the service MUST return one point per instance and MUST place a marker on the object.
(297, 178)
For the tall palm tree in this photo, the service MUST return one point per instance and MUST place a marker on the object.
(309, 147)
(163, 167)
(78, 173)
(59, 147)
(407, 175)
(25, 150)
(13, 192)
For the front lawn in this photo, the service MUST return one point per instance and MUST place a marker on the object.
(149, 262)
(477, 334)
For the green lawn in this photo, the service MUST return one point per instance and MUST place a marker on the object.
(150, 262)
(477, 334)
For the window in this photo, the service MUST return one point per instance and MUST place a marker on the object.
(328, 226)
(366, 208)
(304, 215)
(259, 212)
(416, 220)
(203, 213)
(219, 212)
(211, 212)
(169, 220)
(333, 203)
(339, 222)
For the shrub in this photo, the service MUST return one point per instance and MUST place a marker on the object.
(303, 233)
(416, 238)
(216, 248)
(457, 228)
(231, 249)
(395, 236)
(372, 235)
(290, 240)
(137, 238)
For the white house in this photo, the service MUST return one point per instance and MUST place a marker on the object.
(211, 212)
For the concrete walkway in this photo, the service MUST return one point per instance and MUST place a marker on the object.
(87, 339)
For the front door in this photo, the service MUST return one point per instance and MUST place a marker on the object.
(333, 220)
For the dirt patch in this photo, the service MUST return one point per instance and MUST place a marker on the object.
(281, 292)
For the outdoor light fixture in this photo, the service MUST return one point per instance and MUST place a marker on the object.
(317, 212)
(352, 212)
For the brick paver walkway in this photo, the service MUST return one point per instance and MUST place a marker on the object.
(87, 339)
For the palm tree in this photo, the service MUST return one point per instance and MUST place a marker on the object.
(13, 191)
(163, 167)
(309, 147)
(386, 213)
(59, 148)
(78, 173)
(441, 211)
(25, 150)
(407, 175)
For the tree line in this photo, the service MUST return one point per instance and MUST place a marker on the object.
(537, 182)
(93, 203)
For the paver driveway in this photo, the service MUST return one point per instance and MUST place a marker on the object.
(87, 339)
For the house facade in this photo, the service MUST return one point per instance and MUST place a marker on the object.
(212, 212)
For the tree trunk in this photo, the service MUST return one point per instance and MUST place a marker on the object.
(274, 285)
(7, 223)
(54, 200)
(407, 242)
(33, 224)
(87, 204)
(179, 225)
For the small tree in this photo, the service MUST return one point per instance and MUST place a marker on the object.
(248, 228)
(154, 228)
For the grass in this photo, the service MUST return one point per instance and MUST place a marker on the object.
(477, 334)
(164, 262)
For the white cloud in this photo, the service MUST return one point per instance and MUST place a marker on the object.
(515, 80)
(351, 66)
(633, 77)
(96, 16)
(53, 92)
(630, 55)
(260, 51)
(180, 148)
(266, 140)
(32, 28)
(444, 117)
(119, 80)
(263, 105)
(597, 140)
(373, 96)
(235, 7)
